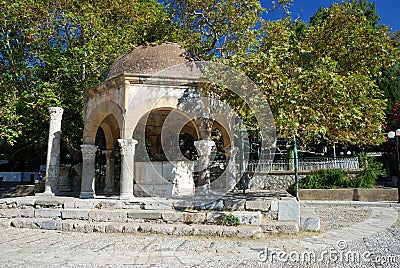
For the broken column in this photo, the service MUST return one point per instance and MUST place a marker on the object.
(204, 149)
(109, 171)
(88, 170)
(231, 170)
(127, 168)
(53, 152)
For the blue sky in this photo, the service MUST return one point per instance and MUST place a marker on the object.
(388, 10)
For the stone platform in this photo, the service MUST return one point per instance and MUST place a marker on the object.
(258, 213)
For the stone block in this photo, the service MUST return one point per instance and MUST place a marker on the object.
(289, 210)
(49, 224)
(173, 216)
(131, 228)
(5, 222)
(258, 205)
(79, 226)
(23, 203)
(114, 228)
(65, 226)
(248, 217)
(9, 213)
(326, 194)
(145, 227)
(145, 214)
(194, 217)
(209, 205)
(309, 221)
(47, 213)
(89, 227)
(166, 229)
(18, 223)
(274, 205)
(48, 203)
(287, 227)
(209, 230)
(76, 214)
(375, 194)
(183, 229)
(131, 204)
(229, 230)
(86, 203)
(99, 215)
(157, 205)
(249, 232)
(310, 224)
(245, 217)
(110, 204)
(99, 227)
(183, 204)
(234, 204)
(25, 223)
(27, 212)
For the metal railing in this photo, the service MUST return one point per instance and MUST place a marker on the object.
(313, 163)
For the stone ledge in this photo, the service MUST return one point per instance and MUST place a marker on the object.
(244, 231)
(286, 227)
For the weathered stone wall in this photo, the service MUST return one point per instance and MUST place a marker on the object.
(273, 182)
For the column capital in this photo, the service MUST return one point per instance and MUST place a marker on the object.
(127, 146)
(88, 150)
(56, 113)
(204, 147)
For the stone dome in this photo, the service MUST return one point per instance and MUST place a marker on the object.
(150, 59)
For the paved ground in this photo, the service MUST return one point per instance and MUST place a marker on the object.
(365, 237)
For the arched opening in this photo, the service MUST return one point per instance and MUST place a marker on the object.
(162, 137)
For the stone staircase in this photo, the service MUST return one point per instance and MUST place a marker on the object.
(257, 214)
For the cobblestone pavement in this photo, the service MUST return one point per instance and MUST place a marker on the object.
(370, 239)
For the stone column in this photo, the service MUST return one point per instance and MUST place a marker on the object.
(231, 171)
(109, 171)
(127, 170)
(88, 170)
(204, 150)
(53, 152)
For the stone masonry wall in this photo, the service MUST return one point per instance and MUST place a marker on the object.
(273, 182)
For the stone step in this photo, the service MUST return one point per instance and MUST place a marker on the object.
(129, 215)
(244, 231)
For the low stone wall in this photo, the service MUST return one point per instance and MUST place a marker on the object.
(326, 194)
(276, 181)
(356, 194)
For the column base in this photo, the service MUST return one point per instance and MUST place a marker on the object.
(126, 196)
(87, 195)
(109, 190)
(45, 194)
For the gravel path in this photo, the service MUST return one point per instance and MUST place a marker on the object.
(378, 236)
(337, 217)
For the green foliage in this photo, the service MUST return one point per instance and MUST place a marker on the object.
(50, 52)
(372, 171)
(212, 28)
(336, 178)
(228, 220)
(325, 179)
(321, 81)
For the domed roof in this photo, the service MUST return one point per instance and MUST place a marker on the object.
(150, 59)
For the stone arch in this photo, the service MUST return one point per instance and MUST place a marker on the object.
(136, 113)
(107, 115)
(151, 124)
(225, 133)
